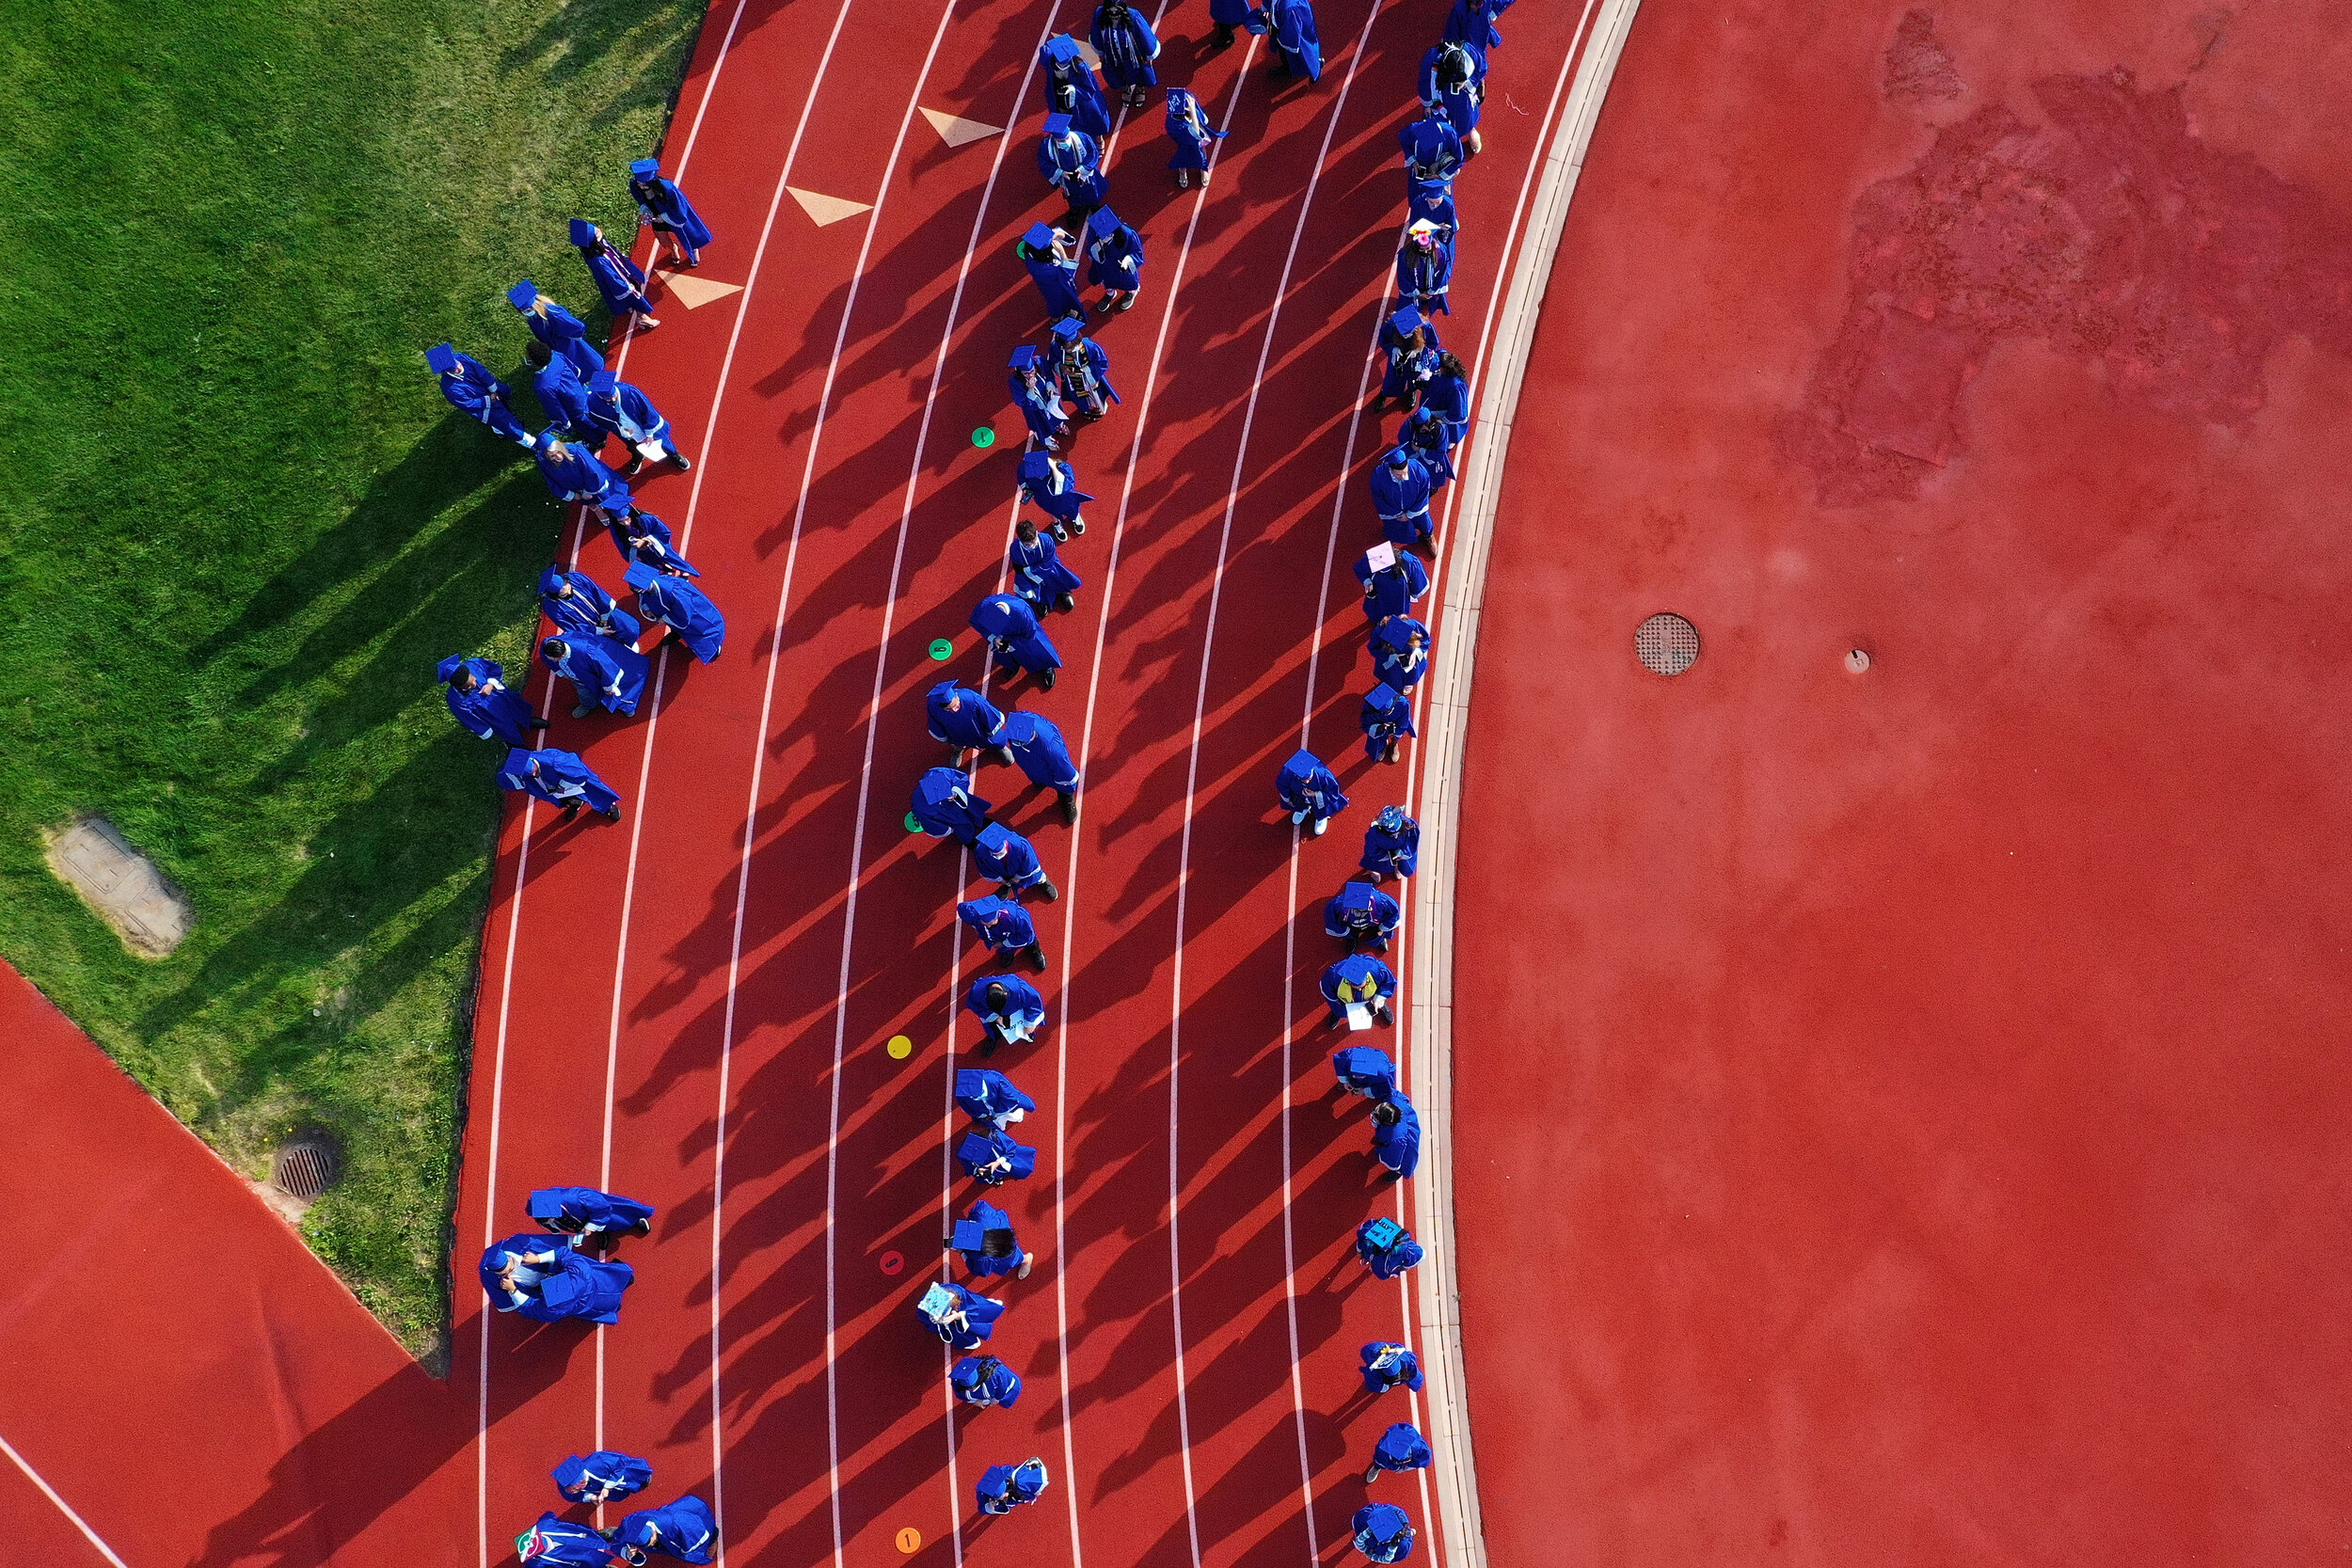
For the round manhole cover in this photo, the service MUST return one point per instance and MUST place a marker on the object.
(1666, 645)
(304, 1170)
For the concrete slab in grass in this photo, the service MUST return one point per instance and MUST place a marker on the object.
(147, 911)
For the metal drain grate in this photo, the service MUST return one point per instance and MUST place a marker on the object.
(1666, 645)
(303, 1170)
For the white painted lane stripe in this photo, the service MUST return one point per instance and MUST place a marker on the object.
(62, 1506)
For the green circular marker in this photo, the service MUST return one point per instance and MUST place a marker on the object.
(984, 436)
(912, 826)
(942, 648)
(900, 1048)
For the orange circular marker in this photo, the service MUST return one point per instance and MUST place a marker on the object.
(900, 1048)
(909, 1538)
(892, 1262)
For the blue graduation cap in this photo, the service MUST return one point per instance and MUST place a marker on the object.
(549, 580)
(645, 169)
(1068, 331)
(450, 665)
(1036, 465)
(516, 767)
(1023, 358)
(936, 1303)
(442, 357)
(603, 382)
(1061, 49)
(522, 294)
(1381, 1233)
(1104, 224)
(1040, 237)
(544, 1203)
(1397, 457)
(1406, 322)
(642, 577)
(968, 1236)
(584, 232)
(1057, 125)
(1380, 699)
(1390, 820)
(546, 441)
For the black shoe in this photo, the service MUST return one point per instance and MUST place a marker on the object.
(1066, 603)
(612, 816)
(537, 725)
(583, 710)
(1003, 754)
(1388, 1019)
(988, 1046)
(569, 811)
(1052, 893)
(1068, 805)
(1045, 681)
(1062, 534)
(634, 464)
(1037, 956)
(1077, 525)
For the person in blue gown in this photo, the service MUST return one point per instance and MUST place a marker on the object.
(1011, 860)
(1297, 48)
(1127, 46)
(558, 328)
(1396, 1135)
(1038, 395)
(1387, 1365)
(1115, 252)
(1050, 255)
(963, 1319)
(1360, 980)
(1051, 485)
(549, 1282)
(1401, 1449)
(1008, 1008)
(1384, 1532)
(1400, 651)
(1472, 21)
(1366, 1071)
(560, 778)
(982, 1382)
(1195, 138)
(604, 673)
(1083, 367)
(1227, 16)
(641, 537)
(1386, 1247)
(660, 203)
(617, 408)
(1070, 88)
(1392, 580)
(602, 1476)
(1003, 1488)
(1431, 150)
(1360, 914)
(1453, 83)
(1006, 927)
(620, 282)
(992, 1158)
(1401, 493)
(963, 720)
(1409, 349)
(1309, 791)
(1013, 634)
(1386, 718)
(1431, 201)
(1425, 267)
(685, 1529)
(1043, 757)
(1392, 845)
(1071, 162)
(480, 699)
(581, 1212)
(985, 1241)
(473, 391)
(576, 474)
(943, 806)
(555, 1542)
(574, 601)
(1446, 399)
(1424, 436)
(988, 1096)
(563, 395)
(686, 610)
(1037, 573)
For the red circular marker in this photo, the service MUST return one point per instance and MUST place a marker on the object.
(892, 1262)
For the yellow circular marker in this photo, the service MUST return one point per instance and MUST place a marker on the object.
(909, 1538)
(900, 1047)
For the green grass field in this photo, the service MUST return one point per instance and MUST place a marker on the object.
(244, 526)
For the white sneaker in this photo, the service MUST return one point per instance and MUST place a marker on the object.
(1321, 823)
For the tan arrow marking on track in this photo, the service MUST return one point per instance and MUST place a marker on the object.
(827, 209)
(955, 132)
(691, 290)
(1086, 53)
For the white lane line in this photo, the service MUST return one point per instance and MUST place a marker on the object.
(1069, 885)
(62, 1506)
(1184, 862)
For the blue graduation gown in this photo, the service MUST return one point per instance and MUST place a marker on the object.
(1040, 750)
(629, 414)
(1396, 1135)
(473, 391)
(987, 1095)
(1394, 659)
(1384, 1532)
(1401, 501)
(1037, 573)
(684, 1529)
(1004, 856)
(1083, 366)
(1365, 1070)
(1423, 277)
(1388, 1257)
(1392, 591)
(1003, 1487)
(1010, 627)
(605, 673)
(1446, 399)
(565, 336)
(1432, 199)
(1004, 925)
(975, 723)
(576, 474)
(1471, 21)
(492, 710)
(1459, 91)
(1387, 716)
(620, 282)
(661, 203)
(678, 603)
(944, 806)
(1407, 364)
(563, 397)
(560, 779)
(1424, 437)
(1357, 977)
(1392, 853)
(1056, 279)
(1187, 122)
(573, 1286)
(984, 1381)
(1072, 165)
(654, 545)
(1432, 148)
(1360, 910)
(979, 1315)
(1402, 1447)
(1390, 1365)
(1293, 26)
(1023, 1004)
(555, 1542)
(1305, 785)
(1118, 263)
(1052, 487)
(1039, 398)
(1128, 47)
(587, 608)
(1237, 14)
(579, 1211)
(991, 1158)
(1070, 88)
(970, 1240)
(604, 1476)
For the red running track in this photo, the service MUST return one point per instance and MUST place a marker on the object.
(1915, 1095)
